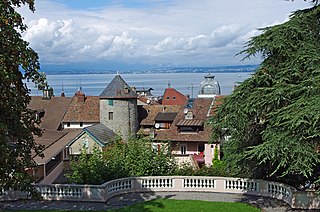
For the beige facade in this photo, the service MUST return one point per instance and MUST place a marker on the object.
(84, 141)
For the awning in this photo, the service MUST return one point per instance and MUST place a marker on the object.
(190, 122)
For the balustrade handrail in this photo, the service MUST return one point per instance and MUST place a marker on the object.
(107, 190)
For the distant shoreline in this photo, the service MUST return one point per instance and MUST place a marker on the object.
(215, 69)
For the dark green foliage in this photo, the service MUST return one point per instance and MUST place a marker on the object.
(273, 117)
(135, 158)
(18, 62)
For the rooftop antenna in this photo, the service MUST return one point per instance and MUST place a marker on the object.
(169, 84)
(80, 88)
(191, 86)
(62, 91)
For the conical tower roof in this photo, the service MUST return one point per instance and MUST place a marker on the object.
(118, 89)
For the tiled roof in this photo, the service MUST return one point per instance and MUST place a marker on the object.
(87, 111)
(54, 108)
(173, 97)
(147, 113)
(165, 116)
(200, 109)
(216, 104)
(101, 133)
(57, 145)
(118, 88)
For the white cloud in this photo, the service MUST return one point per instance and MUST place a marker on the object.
(183, 32)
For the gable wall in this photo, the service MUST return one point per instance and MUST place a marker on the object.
(78, 145)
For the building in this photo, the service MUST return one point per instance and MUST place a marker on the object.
(83, 111)
(173, 97)
(92, 122)
(118, 108)
(54, 139)
(189, 135)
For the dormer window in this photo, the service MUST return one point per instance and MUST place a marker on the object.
(190, 126)
(126, 89)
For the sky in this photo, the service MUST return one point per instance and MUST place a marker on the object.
(141, 34)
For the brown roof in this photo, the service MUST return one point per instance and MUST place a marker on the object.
(54, 108)
(165, 116)
(87, 111)
(216, 104)
(56, 147)
(147, 113)
(200, 109)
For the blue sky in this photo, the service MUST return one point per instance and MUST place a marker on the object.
(118, 34)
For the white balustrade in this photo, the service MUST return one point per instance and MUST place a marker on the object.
(60, 191)
(102, 193)
(241, 184)
(157, 183)
(198, 183)
(279, 190)
(118, 185)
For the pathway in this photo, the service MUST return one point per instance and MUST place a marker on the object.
(267, 204)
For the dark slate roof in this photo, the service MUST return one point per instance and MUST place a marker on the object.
(118, 89)
(165, 116)
(101, 133)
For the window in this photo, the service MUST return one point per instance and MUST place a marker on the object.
(168, 97)
(110, 115)
(201, 148)
(68, 124)
(174, 98)
(81, 124)
(183, 149)
(110, 102)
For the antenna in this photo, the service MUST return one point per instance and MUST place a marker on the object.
(191, 86)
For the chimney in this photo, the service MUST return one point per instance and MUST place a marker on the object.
(188, 114)
(80, 96)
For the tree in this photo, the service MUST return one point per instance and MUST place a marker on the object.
(132, 159)
(273, 118)
(18, 62)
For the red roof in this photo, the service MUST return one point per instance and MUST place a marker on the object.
(173, 97)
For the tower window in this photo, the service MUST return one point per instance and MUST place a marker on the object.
(110, 115)
(110, 102)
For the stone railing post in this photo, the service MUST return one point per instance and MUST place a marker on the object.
(220, 185)
(177, 183)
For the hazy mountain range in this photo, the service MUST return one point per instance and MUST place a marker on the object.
(235, 68)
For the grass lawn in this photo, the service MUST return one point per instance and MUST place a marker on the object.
(179, 205)
(188, 205)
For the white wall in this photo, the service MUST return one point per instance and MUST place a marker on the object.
(76, 125)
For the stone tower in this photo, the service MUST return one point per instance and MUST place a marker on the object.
(118, 108)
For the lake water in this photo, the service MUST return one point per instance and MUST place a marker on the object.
(186, 83)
